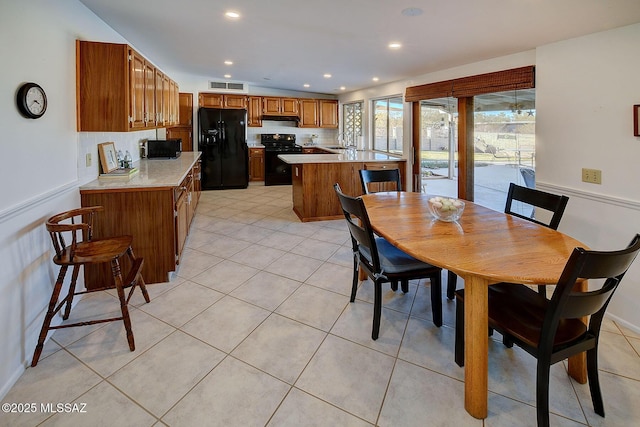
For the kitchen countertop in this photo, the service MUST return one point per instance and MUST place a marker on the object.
(343, 157)
(151, 173)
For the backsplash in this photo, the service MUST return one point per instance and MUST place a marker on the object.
(88, 144)
(303, 135)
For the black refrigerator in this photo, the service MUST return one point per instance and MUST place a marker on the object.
(223, 143)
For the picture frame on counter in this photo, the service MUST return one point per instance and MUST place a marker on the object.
(108, 157)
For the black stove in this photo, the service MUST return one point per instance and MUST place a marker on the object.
(277, 172)
(283, 142)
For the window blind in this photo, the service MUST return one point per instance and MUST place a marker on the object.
(499, 81)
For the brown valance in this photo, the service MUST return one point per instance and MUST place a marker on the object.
(499, 81)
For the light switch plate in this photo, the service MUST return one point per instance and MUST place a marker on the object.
(88, 160)
(593, 176)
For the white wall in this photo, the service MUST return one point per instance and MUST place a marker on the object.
(43, 161)
(585, 90)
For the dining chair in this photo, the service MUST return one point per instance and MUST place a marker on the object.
(538, 199)
(76, 227)
(383, 262)
(553, 330)
(383, 179)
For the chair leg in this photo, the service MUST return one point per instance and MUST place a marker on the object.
(542, 290)
(354, 284)
(436, 299)
(117, 275)
(377, 309)
(542, 391)
(452, 281)
(594, 382)
(394, 285)
(459, 340)
(49, 316)
(506, 340)
(72, 291)
(405, 285)
(140, 282)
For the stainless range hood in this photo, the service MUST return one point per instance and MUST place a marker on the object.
(281, 118)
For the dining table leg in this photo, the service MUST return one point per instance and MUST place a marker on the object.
(476, 346)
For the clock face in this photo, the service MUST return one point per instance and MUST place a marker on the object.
(31, 100)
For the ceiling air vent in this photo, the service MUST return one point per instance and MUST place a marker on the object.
(229, 87)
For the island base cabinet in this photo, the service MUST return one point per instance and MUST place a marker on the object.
(314, 198)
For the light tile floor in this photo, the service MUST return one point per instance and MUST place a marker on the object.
(256, 329)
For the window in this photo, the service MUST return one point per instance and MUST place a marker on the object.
(352, 123)
(387, 124)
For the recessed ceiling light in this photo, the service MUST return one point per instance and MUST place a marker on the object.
(231, 14)
(375, 79)
(227, 76)
(306, 85)
(342, 88)
(412, 11)
(395, 45)
(327, 76)
(228, 62)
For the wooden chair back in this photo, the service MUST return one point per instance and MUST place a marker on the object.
(607, 267)
(362, 238)
(380, 176)
(76, 225)
(539, 199)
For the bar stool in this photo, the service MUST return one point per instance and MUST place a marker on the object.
(85, 250)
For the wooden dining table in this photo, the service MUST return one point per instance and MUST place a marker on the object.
(483, 247)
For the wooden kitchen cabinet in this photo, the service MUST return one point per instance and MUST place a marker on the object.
(314, 198)
(328, 113)
(254, 111)
(279, 106)
(308, 113)
(184, 128)
(219, 100)
(117, 88)
(158, 218)
(256, 164)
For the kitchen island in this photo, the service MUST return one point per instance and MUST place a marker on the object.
(313, 177)
(155, 206)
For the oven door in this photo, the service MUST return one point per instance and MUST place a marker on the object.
(276, 172)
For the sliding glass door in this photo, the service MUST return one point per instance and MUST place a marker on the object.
(438, 146)
(504, 144)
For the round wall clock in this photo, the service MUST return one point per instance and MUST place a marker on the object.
(31, 100)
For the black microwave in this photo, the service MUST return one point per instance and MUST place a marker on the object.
(168, 148)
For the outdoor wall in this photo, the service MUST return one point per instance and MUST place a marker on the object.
(585, 90)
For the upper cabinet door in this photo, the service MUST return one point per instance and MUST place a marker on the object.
(328, 113)
(289, 106)
(185, 116)
(137, 90)
(270, 105)
(235, 101)
(308, 113)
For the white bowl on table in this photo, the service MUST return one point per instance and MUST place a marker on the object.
(446, 209)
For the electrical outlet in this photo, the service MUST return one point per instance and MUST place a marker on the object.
(594, 176)
(88, 160)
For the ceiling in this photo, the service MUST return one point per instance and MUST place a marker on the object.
(286, 43)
